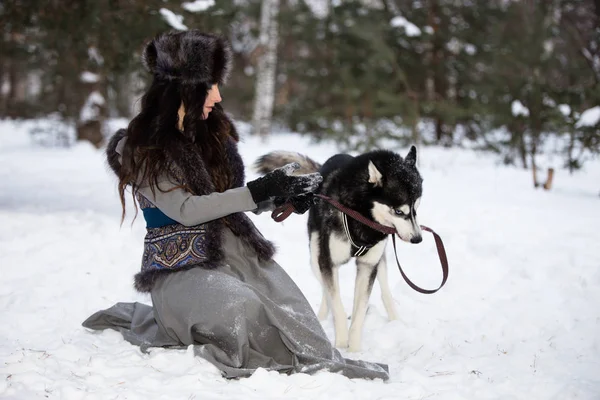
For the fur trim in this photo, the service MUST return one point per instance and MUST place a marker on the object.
(191, 57)
(112, 157)
(144, 281)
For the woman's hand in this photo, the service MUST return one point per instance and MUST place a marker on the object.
(281, 183)
(302, 203)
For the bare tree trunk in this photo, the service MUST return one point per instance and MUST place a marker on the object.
(430, 57)
(416, 134)
(2, 94)
(435, 82)
(93, 113)
(264, 96)
(534, 169)
(11, 96)
(91, 119)
(523, 149)
(535, 135)
(570, 150)
(549, 179)
(122, 100)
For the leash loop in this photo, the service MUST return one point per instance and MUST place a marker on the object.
(282, 212)
(443, 261)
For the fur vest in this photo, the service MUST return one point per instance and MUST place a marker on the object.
(177, 247)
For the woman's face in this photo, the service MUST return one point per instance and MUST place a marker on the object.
(213, 97)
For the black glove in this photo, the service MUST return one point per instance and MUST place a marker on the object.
(280, 183)
(302, 203)
(265, 205)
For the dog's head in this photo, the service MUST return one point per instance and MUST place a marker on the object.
(396, 185)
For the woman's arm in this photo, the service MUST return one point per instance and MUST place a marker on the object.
(190, 210)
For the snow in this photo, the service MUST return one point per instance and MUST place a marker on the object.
(318, 8)
(174, 20)
(548, 101)
(470, 49)
(564, 109)
(518, 108)
(548, 47)
(94, 55)
(89, 77)
(410, 28)
(198, 5)
(455, 46)
(518, 318)
(90, 110)
(589, 117)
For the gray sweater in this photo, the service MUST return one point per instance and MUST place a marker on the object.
(191, 210)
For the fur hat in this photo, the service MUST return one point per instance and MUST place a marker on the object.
(190, 57)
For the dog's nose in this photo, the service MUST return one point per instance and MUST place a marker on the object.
(416, 239)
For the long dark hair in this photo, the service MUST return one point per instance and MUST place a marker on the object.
(151, 137)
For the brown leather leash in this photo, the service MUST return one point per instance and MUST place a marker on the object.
(285, 210)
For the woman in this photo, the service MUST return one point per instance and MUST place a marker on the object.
(210, 273)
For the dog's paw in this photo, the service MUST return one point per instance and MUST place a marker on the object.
(341, 340)
(354, 339)
(354, 347)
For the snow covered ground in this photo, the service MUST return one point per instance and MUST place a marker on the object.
(518, 319)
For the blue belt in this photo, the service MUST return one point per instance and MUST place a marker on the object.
(156, 218)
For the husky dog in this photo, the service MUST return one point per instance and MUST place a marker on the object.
(381, 186)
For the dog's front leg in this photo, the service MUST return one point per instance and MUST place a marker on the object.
(324, 308)
(386, 294)
(365, 276)
(340, 318)
(315, 255)
(329, 263)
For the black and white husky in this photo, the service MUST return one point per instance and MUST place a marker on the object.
(381, 186)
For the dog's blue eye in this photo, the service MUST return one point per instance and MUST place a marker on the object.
(398, 211)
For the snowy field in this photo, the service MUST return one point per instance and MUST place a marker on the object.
(518, 319)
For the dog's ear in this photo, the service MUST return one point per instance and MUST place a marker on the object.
(374, 174)
(411, 157)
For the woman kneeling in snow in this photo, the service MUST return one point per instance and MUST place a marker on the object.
(209, 271)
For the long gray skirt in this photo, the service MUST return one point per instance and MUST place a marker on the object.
(241, 316)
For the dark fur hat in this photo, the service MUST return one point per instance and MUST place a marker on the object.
(190, 57)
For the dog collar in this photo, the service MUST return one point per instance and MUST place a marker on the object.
(358, 250)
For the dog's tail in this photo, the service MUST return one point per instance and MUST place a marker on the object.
(276, 159)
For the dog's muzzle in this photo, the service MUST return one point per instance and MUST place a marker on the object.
(416, 239)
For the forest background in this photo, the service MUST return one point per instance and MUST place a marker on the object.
(517, 78)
